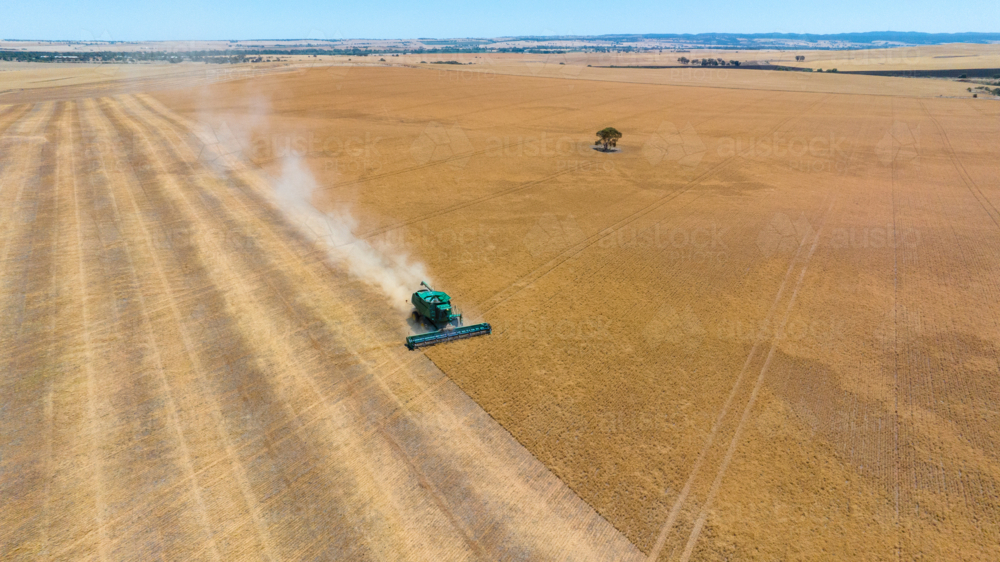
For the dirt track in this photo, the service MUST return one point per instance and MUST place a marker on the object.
(185, 377)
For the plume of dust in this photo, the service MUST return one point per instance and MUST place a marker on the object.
(391, 273)
(226, 138)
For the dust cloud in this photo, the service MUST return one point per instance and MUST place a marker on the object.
(391, 272)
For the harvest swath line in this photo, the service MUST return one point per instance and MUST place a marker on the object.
(93, 420)
(14, 114)
(239, 470)
(26, 306)
(57, 348)
(166, 390)
(34, 126)
(114, 85)
(270, 214)
(125, 283)
(356, 392)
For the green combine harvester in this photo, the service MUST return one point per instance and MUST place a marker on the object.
(434, 307)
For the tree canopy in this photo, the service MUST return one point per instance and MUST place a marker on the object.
(608, 136)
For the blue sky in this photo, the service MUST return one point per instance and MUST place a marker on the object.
(255, 19)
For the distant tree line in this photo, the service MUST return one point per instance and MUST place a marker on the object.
(214, 56)
(708, 62)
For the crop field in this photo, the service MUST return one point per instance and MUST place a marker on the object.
(764, 328)
(185, 377)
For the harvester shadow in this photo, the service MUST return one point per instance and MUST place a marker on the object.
(419, 325)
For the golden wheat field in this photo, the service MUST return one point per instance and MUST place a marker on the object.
(764, 328)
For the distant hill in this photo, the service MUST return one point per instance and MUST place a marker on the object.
(867, 37)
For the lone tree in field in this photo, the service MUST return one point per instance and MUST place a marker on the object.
(608, 136)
